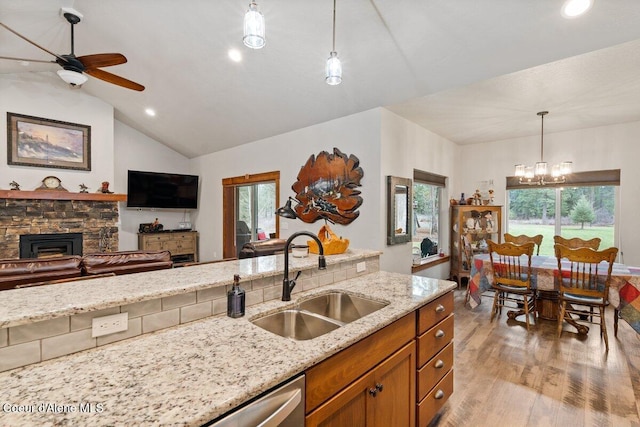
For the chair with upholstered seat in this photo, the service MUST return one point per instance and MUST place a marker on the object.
(511, 268)
(521, 239)
(584, 277)
(577, 242)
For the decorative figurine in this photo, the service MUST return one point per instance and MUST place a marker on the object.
(477, 198)
(83, 188)
(105, 188)
(14, 185)
(491, 196)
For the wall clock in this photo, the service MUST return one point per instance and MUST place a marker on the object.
(51, 183)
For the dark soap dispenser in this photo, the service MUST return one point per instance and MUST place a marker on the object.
(235, 299)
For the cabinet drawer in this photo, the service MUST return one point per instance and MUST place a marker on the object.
(434, 312)
(434, 401)
(153, 246)
(434, 370)
(434, 340)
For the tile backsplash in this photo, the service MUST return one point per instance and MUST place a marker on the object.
(35, 342)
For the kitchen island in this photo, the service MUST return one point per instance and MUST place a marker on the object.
(194, 372)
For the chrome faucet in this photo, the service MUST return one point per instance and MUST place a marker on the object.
(288, 285)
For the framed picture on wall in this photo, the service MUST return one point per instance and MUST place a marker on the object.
(46, 143)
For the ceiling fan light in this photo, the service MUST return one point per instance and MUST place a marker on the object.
(72, 77)
(254, 28)
(333, 70)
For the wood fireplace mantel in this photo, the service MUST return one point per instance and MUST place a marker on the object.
(61, 195)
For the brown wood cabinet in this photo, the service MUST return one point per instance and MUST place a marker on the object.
(400, 375)
(370, 383)
(183, 245)
(435, 357)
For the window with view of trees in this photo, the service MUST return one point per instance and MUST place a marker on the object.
(427, 195)
(584, 211)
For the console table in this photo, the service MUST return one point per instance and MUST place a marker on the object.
(183, 245)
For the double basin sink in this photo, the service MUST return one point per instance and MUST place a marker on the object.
(316, 316)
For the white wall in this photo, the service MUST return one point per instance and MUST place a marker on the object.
(406, 146)
(358, 134)
(135, 151)
(40, 95)
(115, 147)
(599, 148)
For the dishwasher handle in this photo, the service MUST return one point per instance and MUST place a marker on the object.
(280, 414)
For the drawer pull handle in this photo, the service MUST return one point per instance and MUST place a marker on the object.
(439, 364)
(439, 308)
(439, 333)
(379, 387)
(373, 392)
(439, 394)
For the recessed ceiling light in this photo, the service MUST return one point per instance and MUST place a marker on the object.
(235, 55)
(575, 8)
(150, 112)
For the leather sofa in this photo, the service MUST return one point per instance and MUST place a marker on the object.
(125, 262)
(41, 271)
(267, 247)
(16, 272)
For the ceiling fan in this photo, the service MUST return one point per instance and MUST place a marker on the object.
(75, 67)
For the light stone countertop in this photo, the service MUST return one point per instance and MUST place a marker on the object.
(28, 305)
(190, 374)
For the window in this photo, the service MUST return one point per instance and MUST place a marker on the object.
(427, 196)
(249, 203)
(585, 208)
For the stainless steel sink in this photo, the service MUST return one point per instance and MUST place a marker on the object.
(318, 315)
(341, 306)
(296, 324)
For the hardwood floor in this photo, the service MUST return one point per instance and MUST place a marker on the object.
(505, 376)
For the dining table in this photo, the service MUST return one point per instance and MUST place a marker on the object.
(624, 288)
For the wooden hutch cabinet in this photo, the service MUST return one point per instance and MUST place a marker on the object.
(471, 227)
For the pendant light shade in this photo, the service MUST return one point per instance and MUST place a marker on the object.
(333, 70)
(254, 29)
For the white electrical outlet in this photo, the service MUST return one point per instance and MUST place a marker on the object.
(106, 325)
(361, 266)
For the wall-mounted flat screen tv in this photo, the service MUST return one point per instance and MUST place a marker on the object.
(162, 190)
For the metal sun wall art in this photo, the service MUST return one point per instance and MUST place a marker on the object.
(327, 188)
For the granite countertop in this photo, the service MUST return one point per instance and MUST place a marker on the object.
(192, 373)
(28, 305)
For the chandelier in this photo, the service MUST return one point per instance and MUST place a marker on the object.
(539, 173)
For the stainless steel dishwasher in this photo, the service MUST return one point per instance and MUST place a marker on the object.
(282, 406)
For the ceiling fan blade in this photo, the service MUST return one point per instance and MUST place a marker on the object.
(102, 60)
(27, 60)
(33, 43)
(112, 78)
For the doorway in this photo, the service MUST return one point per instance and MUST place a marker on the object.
(249, 203)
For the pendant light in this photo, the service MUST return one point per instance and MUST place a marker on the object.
(254, 29)
(537, 175)
(333, 70)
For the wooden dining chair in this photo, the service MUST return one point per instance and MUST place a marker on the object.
(584, 285)
(521, 239)
(511, 266)
(577, 242)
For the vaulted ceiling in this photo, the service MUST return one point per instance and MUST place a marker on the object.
(471, 71)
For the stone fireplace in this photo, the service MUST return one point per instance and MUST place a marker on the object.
(35, 214)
